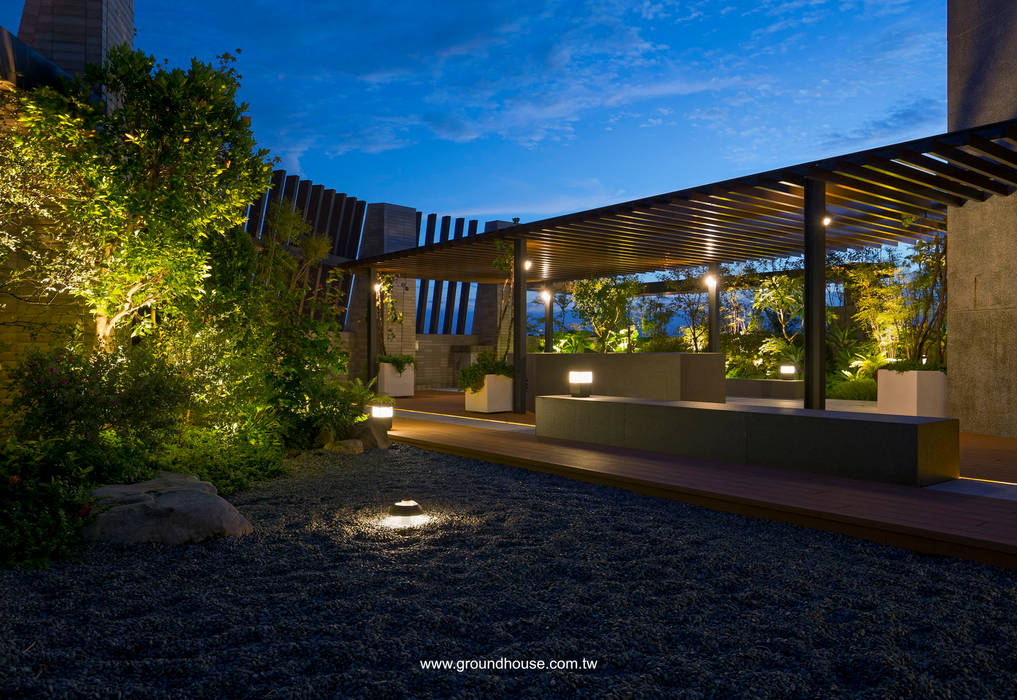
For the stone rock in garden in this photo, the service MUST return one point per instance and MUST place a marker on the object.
(346, 447)
(373, 435)
(323, 437)
(171, 509)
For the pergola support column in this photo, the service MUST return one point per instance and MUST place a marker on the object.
(519, 327)
(372, 324)
(549, 322)
(814, 321)
(713, 340)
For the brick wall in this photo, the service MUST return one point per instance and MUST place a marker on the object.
(440, 357)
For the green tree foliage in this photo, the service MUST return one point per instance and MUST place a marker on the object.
(141, 183)
(781, 298)
(605, 305)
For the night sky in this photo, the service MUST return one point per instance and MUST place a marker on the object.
(532, 109)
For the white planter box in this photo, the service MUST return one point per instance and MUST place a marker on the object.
(912, 393)
(394, 384)
(494, 397)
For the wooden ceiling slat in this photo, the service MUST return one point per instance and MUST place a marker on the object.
(980, 165)
(921, 176)
(895, 184)
(953, 172)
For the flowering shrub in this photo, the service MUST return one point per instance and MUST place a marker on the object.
(43, 498)
(128, 395)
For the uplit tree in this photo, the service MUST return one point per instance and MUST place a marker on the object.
(139, 180)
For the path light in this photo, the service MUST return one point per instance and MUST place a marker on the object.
(711, 282)
(787, 370)
(405, 513)
(827, 221)
(382, 415)
(527, 264)
(579, 383)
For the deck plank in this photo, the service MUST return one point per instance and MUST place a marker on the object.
(970, 527)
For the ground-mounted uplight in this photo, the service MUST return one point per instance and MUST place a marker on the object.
(382, 415)
(788, 370)
(405, 513)
(579, 383)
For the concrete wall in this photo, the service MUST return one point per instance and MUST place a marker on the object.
(646, 375)
(982, 317)
(982, 240)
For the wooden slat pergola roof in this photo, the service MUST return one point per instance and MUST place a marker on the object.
(882, 196)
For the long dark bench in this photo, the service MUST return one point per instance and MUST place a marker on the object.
(876, 447)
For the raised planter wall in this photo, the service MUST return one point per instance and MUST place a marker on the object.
(766, 388)
(651, 375)
(911, 450)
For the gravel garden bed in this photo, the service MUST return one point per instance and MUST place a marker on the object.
(669, 599)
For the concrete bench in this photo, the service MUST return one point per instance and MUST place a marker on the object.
(766, 388)
(876, 447)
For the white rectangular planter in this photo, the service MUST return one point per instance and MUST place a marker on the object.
(912, 393)
(394, 384)
(494, 397)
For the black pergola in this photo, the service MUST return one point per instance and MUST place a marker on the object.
(882, 196)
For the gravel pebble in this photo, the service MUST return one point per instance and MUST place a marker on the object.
(670, 599)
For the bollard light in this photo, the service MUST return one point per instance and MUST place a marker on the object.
(788, 370)
(382, 415)
(579, 383)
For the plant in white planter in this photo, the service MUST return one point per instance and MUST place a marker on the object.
(488, 385)
(396, 375)
(911, 392)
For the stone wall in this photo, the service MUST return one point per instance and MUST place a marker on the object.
(982, 239)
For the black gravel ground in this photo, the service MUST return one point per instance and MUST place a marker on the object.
(670, 600)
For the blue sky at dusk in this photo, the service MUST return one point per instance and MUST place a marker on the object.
(532, 109)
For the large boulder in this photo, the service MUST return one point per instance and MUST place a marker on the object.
(373, 434)
(171, 509)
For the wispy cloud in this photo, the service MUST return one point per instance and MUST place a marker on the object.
(904, 120)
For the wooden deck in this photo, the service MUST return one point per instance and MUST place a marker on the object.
(981, 456)
(935, 522)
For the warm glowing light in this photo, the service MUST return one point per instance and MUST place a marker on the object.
(405, 513)
(787, 369)
(381, 411)
(527, 264)
(580, 377)
(545, 296)
(377, 288)
(711, 282)
(397, 522)
(827, 221)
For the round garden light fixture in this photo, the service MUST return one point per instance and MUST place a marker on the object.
(405, 513)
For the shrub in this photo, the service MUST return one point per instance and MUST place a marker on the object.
(908, 365)
(399, 362)
(130, 394)
(853, 389)
(44, 499)
(229, 462)
(472, 377)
